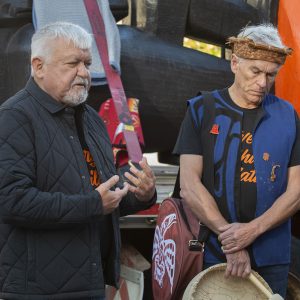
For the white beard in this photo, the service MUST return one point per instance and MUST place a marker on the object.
(74, 98)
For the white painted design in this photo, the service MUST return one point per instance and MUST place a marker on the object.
(164, 252)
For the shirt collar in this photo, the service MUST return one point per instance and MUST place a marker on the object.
(52, 105)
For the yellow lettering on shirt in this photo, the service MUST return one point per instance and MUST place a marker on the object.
(248, 176)
(247, 158)
(94, 176)
(247, 138)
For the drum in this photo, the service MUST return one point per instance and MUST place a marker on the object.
(212, 284)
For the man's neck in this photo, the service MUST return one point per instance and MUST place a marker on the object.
(239, 99)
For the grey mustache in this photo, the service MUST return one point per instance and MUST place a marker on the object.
(83, 81)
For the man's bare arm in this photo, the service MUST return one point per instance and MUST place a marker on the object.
(239, 235)
(205, 208)
(196, 195)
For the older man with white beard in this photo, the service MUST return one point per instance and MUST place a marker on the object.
(60, 196)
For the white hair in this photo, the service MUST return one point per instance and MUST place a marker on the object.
(266, 34)
(41, 40)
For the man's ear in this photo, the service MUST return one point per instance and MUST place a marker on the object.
(37, 65)
(234, 63)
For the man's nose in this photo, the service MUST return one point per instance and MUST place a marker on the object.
(262, 80)
(83, 71)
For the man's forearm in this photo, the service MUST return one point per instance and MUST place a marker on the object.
(203, 205)
(237, 236)
(282, 209)
(196, 195)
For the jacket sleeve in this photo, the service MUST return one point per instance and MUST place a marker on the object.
(21, 202)
(131, 205)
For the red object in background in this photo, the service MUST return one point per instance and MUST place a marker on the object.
(109, 116)
(152, 211)
(115, 129)
(114, 80)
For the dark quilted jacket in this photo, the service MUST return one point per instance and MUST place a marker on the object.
(49, 233)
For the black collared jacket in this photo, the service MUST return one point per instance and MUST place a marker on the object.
(49, 212)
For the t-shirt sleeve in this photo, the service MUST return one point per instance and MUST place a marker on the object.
(188, 141)
(295, 155)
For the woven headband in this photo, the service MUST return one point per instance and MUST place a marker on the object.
(247, 48)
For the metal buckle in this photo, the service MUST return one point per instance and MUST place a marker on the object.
(195, 245)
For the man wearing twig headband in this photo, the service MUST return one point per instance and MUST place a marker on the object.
(240, 162)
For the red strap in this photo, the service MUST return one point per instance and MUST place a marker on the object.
(114, 81)
(124, 290)
(111, 292)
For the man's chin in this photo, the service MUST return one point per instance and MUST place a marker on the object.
(256, 97)
(75, 100)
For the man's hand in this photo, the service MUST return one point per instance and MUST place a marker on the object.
(111, 199)
(238, 264)
(237, 236)
(142, 182)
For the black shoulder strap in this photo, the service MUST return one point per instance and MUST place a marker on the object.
(208, 167)
(208, 103)
(176, 191)
(208, 150)
(209, 116)
(208, 171)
